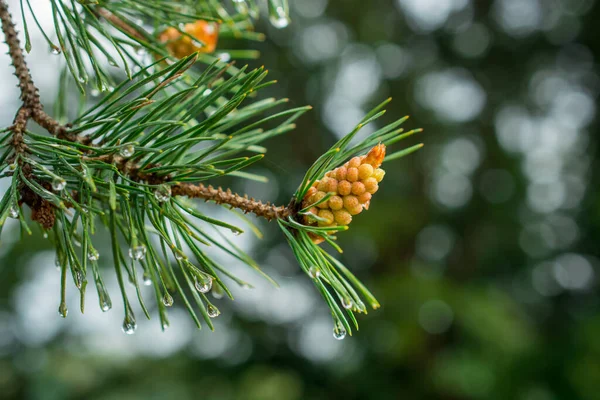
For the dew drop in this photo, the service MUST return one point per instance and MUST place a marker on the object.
(95, 93)
(112, 63)
(225, 57)
(129, 325)
(165, 325)
(147, 279)
(55, 50)
(347, 303)
(45, 235)
(339, 332)
(279, 18)
(12, 166)
(167, 300)
(58, 184)
(212, 311)
(137, 252)
(82, 79)
(93, 255)
(127, 150)
(178, 256)
(78, 277)
(62, 310)
(103, 298)
(162, 193)
(314, 272)
(13, 212)
(203, 285)
(207, 92)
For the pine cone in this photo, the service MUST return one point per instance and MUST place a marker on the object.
(181, 46)
(353, 185)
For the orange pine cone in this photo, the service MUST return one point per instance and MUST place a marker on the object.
(353, 185)
(181, 46)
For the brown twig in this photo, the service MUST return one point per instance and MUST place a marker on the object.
(32, 109)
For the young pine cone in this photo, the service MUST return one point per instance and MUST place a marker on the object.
(181, 46)
(353, 185)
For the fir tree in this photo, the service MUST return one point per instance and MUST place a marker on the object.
(132, 162)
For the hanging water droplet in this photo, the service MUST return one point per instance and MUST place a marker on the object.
(112, 63)
(163, 193)
(58, 184)
(13, 212)
(225, 57)
(105, 304)
(165, 325)
(246, 286)
(179, 256)
(147, 279)
(360, 307)
(95, 93)
(167, 300)
(339, 332)
(217, 291)
(12, 166)
(129, 325)
(62, 310)
(347, 303)
(78, 277)
(55, 50)
(314, 272)
(212, 311)
(237, 232)
(279, 18)
(93, 254)
(137, 252)
(82, 79)
(204, 284)
(140, 51)
(127, 150)
(207, 92)
(57, 263)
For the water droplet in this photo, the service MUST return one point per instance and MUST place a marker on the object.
(95, 93)
(45, 235)
(112, 63)
(147, 279)
(236, 232)
(12, 166)
(62, 310)
(127, 151)
(339, 332)
(179, 256)
(140, 52)
(105, 304)
(314, 272)
(129, 325)
(167, 300)
(58, 184)
(57, 263)
(93, 254)
(246, 286)
(78, 277)
(279, 18)
(207, 92)
(13, 212)
(212, 311)
(360, 307)
(137, 252)
(347, 303)
(204, 284)
(162, 193)
(55, 50)
(224, 56)
(165, 325)
(82, 79)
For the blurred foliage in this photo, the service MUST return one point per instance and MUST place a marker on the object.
(482, 248)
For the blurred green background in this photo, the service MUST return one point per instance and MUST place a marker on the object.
(482, 247)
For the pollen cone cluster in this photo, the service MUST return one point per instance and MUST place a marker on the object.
(352, 186)
(180, 46)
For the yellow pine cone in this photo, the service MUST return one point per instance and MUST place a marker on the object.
(353, 185)
(181, 46)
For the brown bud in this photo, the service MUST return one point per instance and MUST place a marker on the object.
(375, 156)
(342, 217)
(378, 174)
(357, 209)
(344, 188)
(336, 203)
(365, 171)
(354, 162)
(350, 202)
(341, 173)
(312, 190)
(358, 188)
(364, 198)
(327, 215)
(352, 174)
